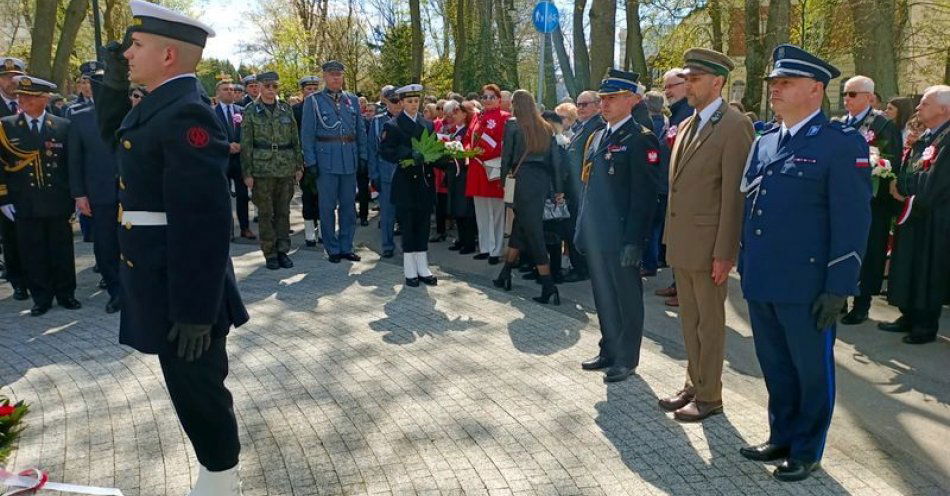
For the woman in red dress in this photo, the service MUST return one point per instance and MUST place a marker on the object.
(485, 184)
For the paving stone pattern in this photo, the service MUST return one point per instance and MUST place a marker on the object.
(346, 382)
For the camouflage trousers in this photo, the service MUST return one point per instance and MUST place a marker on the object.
(272, 197)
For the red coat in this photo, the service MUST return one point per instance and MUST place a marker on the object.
(487, 132)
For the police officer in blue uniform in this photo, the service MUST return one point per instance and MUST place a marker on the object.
(620, 176)
(87, 71)
(180, 297)
(381, 171)
(92, 182)
(334, 145)
(807, 215)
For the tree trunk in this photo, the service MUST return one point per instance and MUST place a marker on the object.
(874, 45)
(564, 62)
(581, 56)
(506, 39)
(636, 59)
(72, 21)
(550, 80)
(418, 43)
(461, 44)
(715, 16)
(603, 23)
(41, 38)
(754, 59)
(776, 27)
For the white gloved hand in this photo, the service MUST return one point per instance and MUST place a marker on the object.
(8, 211)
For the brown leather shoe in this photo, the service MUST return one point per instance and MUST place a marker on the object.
(697, 410)
(672, 302)
(677, 401)
(666, 292)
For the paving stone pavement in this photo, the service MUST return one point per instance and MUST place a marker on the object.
(347, 382)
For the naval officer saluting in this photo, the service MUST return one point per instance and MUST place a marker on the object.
(180, 298)
(807, 215)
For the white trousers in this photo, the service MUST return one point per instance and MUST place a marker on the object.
(416, 264)
(490, 217)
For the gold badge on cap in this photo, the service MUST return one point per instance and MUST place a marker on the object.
(137, 21)
(127, 144)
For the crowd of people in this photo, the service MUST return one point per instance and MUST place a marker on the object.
(620, 181)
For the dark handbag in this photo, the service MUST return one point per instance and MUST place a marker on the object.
(554, 210)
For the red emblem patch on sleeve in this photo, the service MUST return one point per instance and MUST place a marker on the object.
(653, 157)
(198, 137)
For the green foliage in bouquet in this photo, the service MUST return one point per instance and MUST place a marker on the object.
(433, 149)
(11, 417)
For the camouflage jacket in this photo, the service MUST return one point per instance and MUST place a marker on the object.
(270, 145)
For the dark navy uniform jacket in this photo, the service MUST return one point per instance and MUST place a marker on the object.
(34, 168)
(414, 186)
(807, 214)
(173, 155)
(93, 172)
(620, 195)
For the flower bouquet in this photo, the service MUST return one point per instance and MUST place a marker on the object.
(433, 149)
(881, 170)
(11, 426)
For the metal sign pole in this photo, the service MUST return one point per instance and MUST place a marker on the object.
(544, 41)
(97, 28)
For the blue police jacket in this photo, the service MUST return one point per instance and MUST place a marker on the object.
(332, 133)
(380, 169)
(807, 213)
(93, 171)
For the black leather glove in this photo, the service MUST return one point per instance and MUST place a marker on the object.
(630, 256)
(117, 66)
(826, 309)
(193, 339)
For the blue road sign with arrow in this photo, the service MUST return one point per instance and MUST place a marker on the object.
(545, 17)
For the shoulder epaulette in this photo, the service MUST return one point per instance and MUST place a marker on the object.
(841, 127)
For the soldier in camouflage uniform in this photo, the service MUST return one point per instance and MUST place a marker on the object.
(272, 162)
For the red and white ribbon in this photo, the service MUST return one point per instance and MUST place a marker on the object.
(905, 214)
(33, 480)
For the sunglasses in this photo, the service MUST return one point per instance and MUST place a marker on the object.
(270, 85)
(853, 94)
(489, 97)
(584, 104)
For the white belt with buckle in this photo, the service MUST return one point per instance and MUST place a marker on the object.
(142, 218)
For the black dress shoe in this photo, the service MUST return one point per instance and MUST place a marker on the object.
(855, 317)
(915, 338)
(765, 452)
(617, 373)
(387, 254)
(334, 258)
(114, 305)
(272, 264)
(38, 309)
(466, 251)
(69, 303)
(310, 243)
(285, 261)
(898, 325)
(494, 260)
(430, 280)
(353, 257)
(574, 276)
(21, 294)
(596, 363)
(792, 470)
(102, 284)
(481, 256)
(414, 282)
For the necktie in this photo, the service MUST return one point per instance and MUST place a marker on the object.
(230, 116)
(607, 133)
(13, 106)
(783, 140)
(693, 130)
(35, 126)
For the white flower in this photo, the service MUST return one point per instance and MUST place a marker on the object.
(562, 140)
(454, 146)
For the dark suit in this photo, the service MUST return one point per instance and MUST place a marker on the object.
(575, 161)
(93, 173)
(616, 210)
(233, 131)
(37, 178)
(413, 188)
(11, 250)
(880, 132)
(173, 157)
